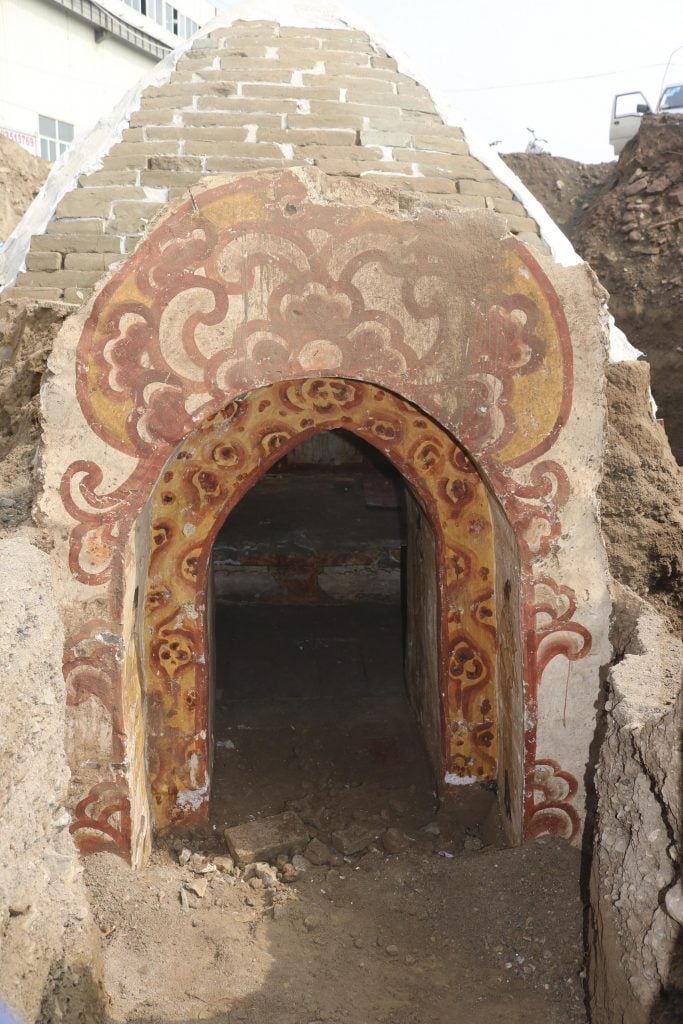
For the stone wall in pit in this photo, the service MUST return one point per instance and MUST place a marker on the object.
(49, 956)
(259, 96)
(636, 913)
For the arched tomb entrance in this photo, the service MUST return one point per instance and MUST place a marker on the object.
(454, 686)
(273, 281)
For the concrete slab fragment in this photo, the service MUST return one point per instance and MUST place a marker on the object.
(263, 840)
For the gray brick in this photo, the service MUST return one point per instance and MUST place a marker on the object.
(75, 243)
(521, 224)
(127, 217)
(336, 58)
(342, 36)
(416, 184)
(349, 168)
(290, 92)
(227, 164)
(301, 137)
(277, 74)
(90, 260)
(146, 117)
(360, 154)
(100, 179)
(183, 93)
(451, 147)
(43, 261)
(484, 188)
(89, 201)
(383, 62)
(372, 92)
(345, 74)
(319, 122)
(33, 294)
(342, 56)
(169, 179)
(59, 279)
(510, 206)
(460, 166)
(231, 56)
(187, 164)
(258, 150)
(248, 106)
(135, 154)
(386, 138)
(227, 119)
(323, 108)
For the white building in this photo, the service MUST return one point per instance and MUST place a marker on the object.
(64, 63)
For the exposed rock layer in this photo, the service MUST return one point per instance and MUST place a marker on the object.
(636, 967)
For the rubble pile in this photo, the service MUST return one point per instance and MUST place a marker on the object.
(565, 187)
(626, 220)
(632, 235)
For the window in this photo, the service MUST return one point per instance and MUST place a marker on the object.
(165, 14)
(54, 136)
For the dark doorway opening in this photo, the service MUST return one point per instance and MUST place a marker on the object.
(312, 711)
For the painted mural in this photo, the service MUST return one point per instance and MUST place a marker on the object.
(212, 470)
(262, 281)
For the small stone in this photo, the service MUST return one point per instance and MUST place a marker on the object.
(392, 950)
(289, 873)
(254, 870)
(354, 839)
(394, 841)
(268, 876)
(431, 829)
(317, 852)
(197, 863)
(311, 923)
(198, 886)
(225, 865)
(281, 860)
(184, 856)
(410, 959)
(472, 843)
(256, 883)
(19, 906)
(6, 502)
(300, 864)
(358, 943)
(184, 902)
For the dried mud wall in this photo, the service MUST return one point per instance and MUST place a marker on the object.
(636, 962)
(640, 495)
(48, 948)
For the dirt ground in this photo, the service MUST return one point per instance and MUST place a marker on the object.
(432, 921)
(412, 938)
(21, 178)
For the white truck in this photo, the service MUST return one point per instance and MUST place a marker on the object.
(629, 107)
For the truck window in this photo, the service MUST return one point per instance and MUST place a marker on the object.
(627, 103)
(671, 97)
